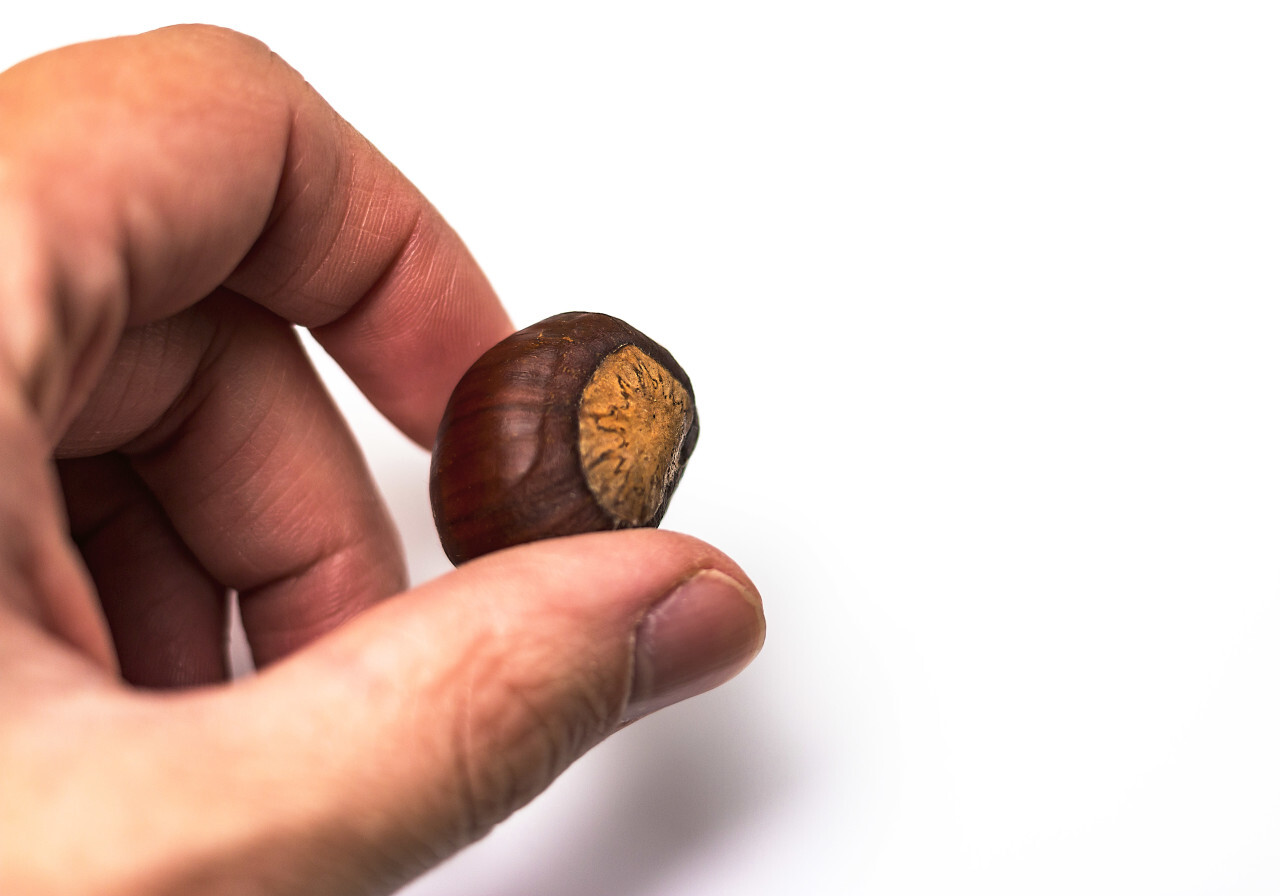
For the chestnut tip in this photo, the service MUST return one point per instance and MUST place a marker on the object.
(578, 423)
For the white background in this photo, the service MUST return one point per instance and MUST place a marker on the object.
(980, 301)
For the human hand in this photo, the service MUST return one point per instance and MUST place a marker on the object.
(170, 206)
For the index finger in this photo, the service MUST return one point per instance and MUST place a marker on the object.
(242, 175)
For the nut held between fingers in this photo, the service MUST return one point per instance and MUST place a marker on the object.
(579, 423)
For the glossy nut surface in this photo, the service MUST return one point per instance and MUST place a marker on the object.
(579, 423)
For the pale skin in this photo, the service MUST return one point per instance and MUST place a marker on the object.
(170, 206)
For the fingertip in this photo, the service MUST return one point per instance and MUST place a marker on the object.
(688, 616)
(696, 638)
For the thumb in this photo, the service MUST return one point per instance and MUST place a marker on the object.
(413, 730)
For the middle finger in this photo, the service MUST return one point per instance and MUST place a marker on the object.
(223, 418)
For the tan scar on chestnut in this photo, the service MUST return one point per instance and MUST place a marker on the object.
(577, 424)
(633, 420)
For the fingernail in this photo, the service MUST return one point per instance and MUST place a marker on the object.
(698, 636)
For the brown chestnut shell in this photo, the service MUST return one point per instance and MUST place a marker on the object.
(507, 467)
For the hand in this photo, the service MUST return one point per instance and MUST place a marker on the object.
(170, 206)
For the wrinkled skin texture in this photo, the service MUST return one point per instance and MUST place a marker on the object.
(171, 205)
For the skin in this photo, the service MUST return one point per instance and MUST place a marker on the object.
(171, 205)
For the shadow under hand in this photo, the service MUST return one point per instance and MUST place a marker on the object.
(663, 793)
(685, 781)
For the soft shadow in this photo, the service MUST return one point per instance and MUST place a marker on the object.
(678, 783)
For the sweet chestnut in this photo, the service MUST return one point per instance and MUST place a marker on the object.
(579, 423)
